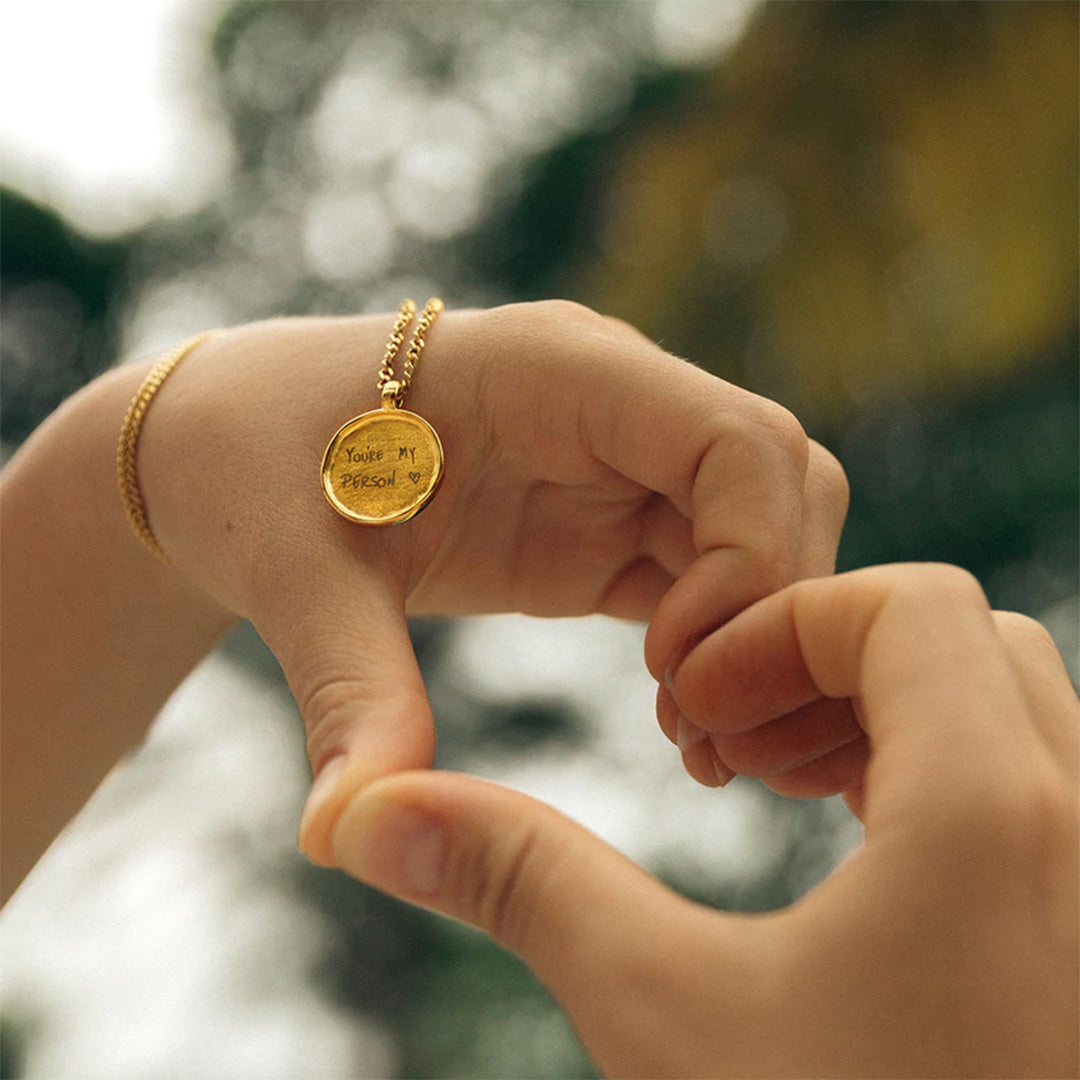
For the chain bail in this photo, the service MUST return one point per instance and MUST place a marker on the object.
(392, 393)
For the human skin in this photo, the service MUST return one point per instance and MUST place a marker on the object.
(587, 471)
(947, 945)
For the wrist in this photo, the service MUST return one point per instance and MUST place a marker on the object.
(97, 632)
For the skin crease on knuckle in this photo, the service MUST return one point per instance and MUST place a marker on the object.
(760, 441)
(329, 715)
(488, 883)
(783, 428)
(744, 438)
(512, 901)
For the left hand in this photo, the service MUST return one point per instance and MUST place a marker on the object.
(586, 471)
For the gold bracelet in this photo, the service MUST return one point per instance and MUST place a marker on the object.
(383, 467)
(130, 430)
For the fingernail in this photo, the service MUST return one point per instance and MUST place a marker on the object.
(688, 734)
(396, 848)
(667, 712)
(724, 775)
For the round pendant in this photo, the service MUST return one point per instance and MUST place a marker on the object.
(382, 467)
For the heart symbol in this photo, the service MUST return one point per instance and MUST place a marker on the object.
(414, 477)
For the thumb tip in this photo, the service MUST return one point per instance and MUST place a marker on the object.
(355, 744)
(538, 883)
(321, 812)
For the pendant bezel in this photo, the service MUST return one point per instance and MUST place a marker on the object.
(375, 507)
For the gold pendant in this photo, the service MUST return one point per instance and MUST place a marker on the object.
(382, 467)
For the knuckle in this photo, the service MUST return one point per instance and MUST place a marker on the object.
(493, 886)
(624, 328)
(543, 314)
(1035, 821)
(782, 427)
(625, 335)
(1054, 817)
(1024, 632)
(826, 471)
(326, 709)
(511, 902)
(945, 582)
(567, 310)
(549, 327)
(984, 826)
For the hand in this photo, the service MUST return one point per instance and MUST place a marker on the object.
(946, 946)
(586, 471)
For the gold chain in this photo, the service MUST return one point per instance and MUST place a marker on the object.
(397, 336)
(393, 391)
(131, 429)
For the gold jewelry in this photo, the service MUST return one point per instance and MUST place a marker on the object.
(130, 430)
(383, 467)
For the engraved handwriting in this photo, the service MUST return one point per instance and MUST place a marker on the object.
(407, 452)
(357, 481)
(364, 457)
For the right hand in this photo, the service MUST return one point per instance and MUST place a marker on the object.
(946, 946)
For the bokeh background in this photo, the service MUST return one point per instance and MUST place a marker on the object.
(865, 210)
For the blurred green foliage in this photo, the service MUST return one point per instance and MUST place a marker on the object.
(10, 1050)
(868, 211)
(61, 294)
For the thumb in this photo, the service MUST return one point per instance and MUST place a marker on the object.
(349, 662)
(602, 934)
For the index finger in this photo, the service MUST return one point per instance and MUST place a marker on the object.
(732, 463)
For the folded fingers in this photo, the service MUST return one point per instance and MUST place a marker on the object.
(807, 753)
